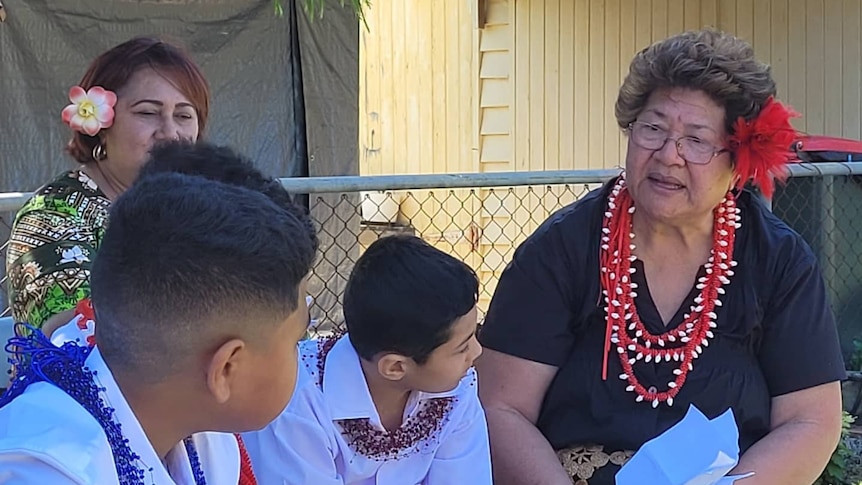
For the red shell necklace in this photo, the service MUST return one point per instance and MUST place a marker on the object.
(625, 331)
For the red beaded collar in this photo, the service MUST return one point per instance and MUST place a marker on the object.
(381, 445)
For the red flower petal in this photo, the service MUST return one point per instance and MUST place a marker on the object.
(110, 98)
(762, 146)
(77, 94)
(76, 121)
(69, 112)
(97, 95)
(105, 115)
(91, 126)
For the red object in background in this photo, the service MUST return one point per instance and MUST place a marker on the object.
(818, 148)
(88, 318)
(760, 146)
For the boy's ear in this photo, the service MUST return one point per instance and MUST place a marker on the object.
(223, 369)
(392, 366)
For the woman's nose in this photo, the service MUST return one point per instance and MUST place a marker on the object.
(168, 130)
(669, 153)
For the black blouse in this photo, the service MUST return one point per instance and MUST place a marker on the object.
(775, 335)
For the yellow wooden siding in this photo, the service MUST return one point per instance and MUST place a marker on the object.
(418, 85)
(495, 66)
(535, 90)
(569, 58)
(418, 77)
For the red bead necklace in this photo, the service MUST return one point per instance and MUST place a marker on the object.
(625, 331)
(366, 439)
(246, 472)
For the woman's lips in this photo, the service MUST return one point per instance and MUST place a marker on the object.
(667, 183)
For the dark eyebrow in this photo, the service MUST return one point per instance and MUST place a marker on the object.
(159, 103)
(466, 339)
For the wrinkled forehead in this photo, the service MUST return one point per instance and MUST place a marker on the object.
(687, 109)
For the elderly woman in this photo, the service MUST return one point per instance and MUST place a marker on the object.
(628, 306)
(131, 96)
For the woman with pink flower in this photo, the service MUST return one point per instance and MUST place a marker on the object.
(133, 95)
(138, 93)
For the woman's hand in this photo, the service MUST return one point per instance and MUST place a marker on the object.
(806, 427)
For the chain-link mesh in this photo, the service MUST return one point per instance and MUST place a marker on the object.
(827, 212)
(480, 226)
(483, 226)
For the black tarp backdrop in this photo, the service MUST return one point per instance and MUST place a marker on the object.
(284, 90)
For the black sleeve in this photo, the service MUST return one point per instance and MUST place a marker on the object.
(800, 347)
(531, 310)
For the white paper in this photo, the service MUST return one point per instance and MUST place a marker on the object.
(730, 479)
(695, 451)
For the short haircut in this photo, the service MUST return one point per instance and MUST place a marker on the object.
(114, 68)
(187, 263)
(717, 63)
(404, 295)
(222, 164)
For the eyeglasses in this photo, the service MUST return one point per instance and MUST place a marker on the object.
(690, 148)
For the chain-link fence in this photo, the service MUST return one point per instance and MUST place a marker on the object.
(481, 226)
(482, 218)
(827, 211)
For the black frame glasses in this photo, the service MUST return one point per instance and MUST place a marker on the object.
(690, 148)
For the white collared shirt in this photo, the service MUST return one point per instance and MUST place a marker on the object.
(46, 437)
(73, 332)
(304, 445)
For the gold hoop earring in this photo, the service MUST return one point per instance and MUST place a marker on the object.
(99, 153)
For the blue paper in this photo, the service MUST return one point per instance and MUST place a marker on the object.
(695, 451)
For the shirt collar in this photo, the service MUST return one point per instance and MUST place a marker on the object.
(218, 452)
(344, 387)
(346, 392)
(131, 428)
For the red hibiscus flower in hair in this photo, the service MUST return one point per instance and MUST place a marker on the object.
(762, 146)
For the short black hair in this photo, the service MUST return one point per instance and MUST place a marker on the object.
(404, 295)
(223, 164)
(187, 262)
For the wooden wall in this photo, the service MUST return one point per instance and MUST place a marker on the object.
(535, 88)
(418, 76)
(568, 58)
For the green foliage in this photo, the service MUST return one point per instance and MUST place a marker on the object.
(836, 470)
(314, 8)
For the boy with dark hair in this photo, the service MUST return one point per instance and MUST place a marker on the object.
(394, 401)
(198, 286)
(213, 162)
(223, 164)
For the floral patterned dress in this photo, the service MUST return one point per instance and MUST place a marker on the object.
(51, 248)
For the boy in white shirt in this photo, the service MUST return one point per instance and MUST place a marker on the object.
(394, 401)
(199, 292)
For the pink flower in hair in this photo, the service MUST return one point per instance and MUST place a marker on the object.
(91, 110)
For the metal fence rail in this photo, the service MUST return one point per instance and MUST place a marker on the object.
(481, 218)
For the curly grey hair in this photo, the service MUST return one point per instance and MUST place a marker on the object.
(717, 63)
